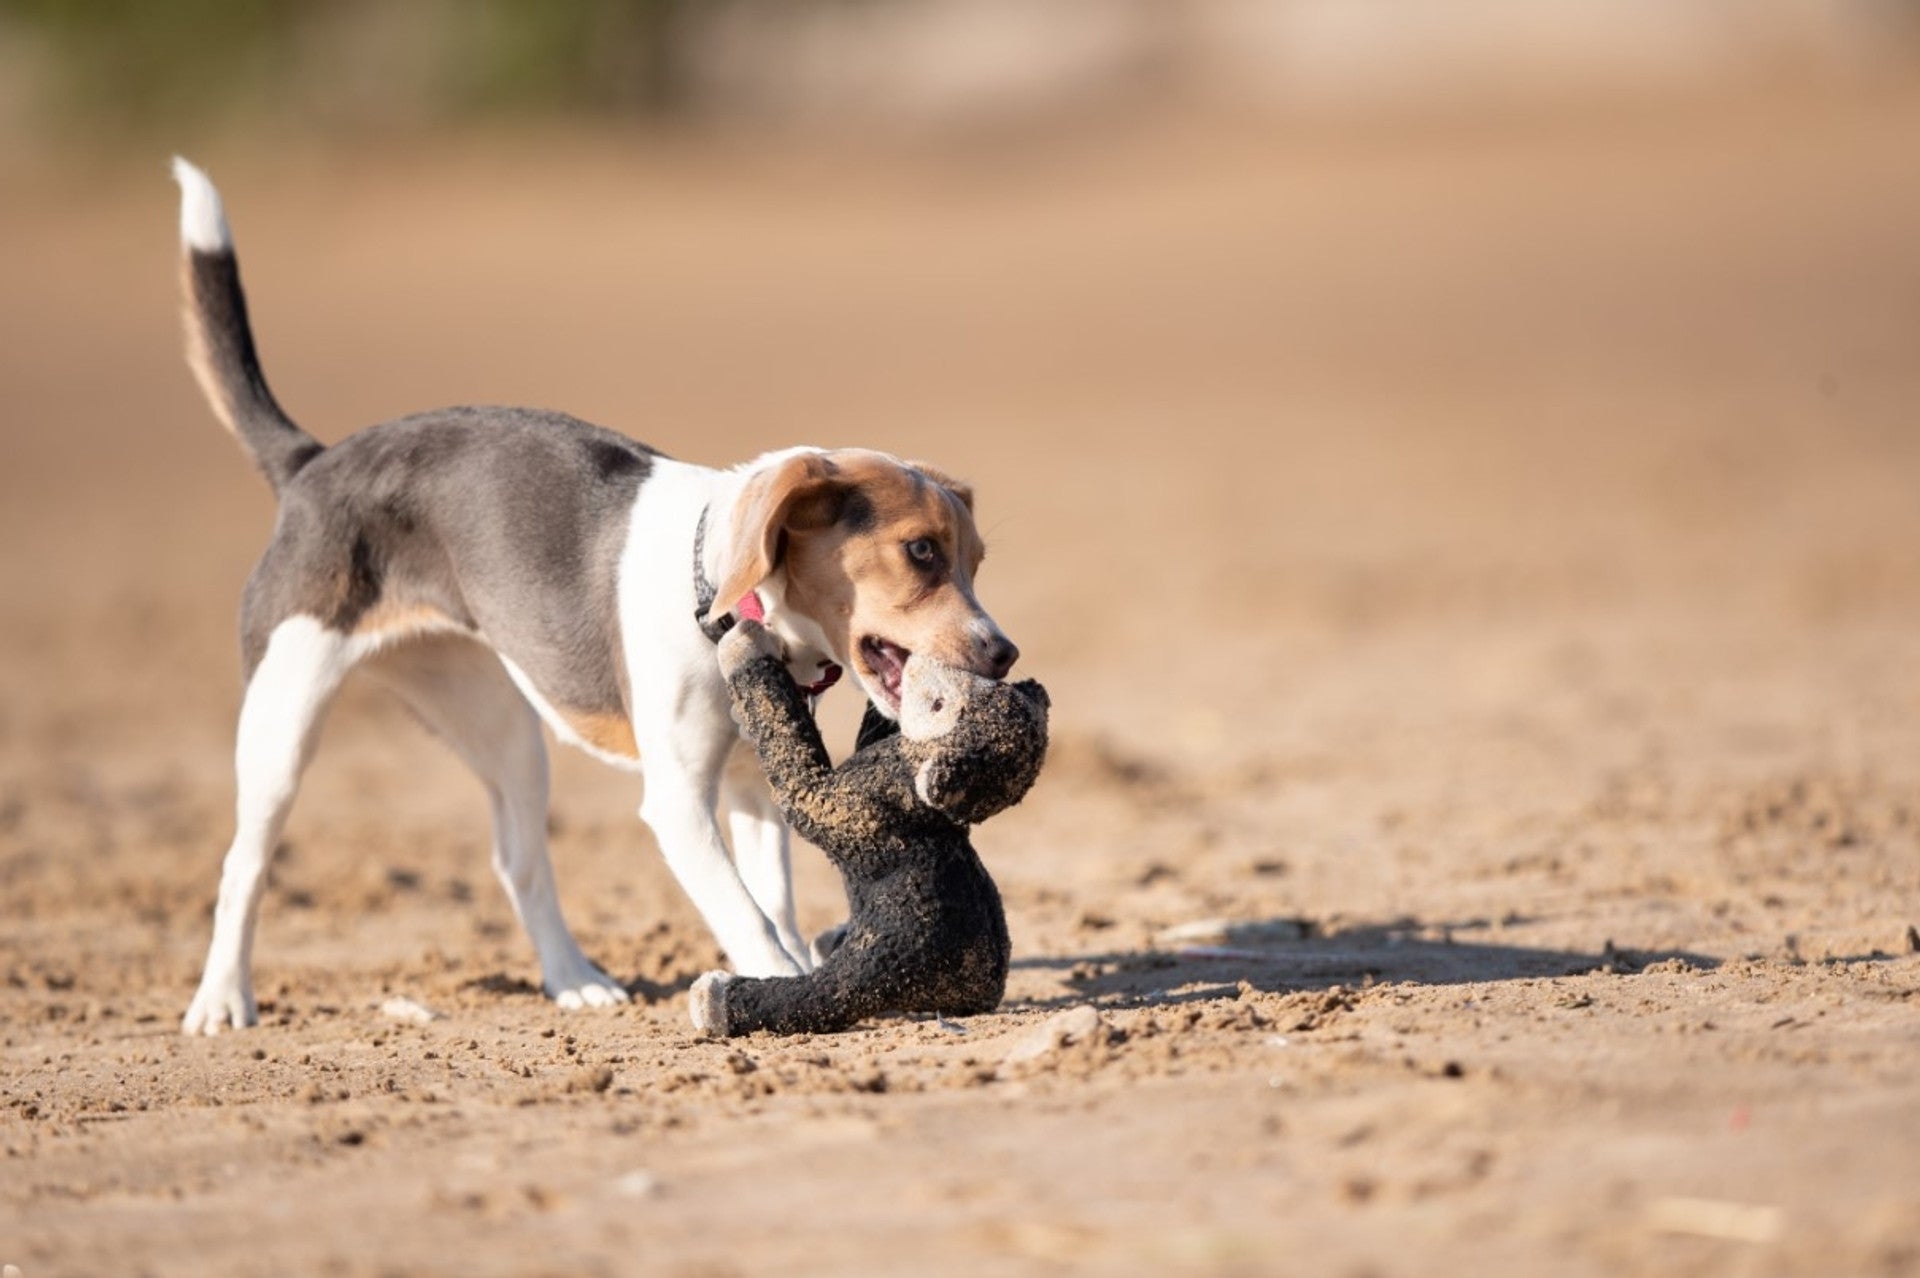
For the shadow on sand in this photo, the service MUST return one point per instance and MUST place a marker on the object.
(1291, 955)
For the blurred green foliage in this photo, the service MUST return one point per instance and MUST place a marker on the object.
(133, 64)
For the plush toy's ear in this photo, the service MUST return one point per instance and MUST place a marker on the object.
(931, 783)
(1032, 691)
(799, 493)
(960, 488)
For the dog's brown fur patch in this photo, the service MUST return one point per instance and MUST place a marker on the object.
(387, 618)
(612, 733)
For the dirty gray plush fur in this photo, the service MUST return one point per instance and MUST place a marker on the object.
(927, 932)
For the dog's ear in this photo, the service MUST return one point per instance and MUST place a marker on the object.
(960, 488)
(799, 493)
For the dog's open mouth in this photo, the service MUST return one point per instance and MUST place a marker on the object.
(886, 663)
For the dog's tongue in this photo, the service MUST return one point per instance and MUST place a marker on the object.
(751, 609)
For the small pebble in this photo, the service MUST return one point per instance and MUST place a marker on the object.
(1712, 1218)
(1200, 930)
(1059, 1030)
(405, 1009)
(1212, 931)
(638, 1183)
(595, 1080)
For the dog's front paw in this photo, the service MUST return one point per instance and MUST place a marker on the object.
(707, 1004)
(746, 643)
(220, 1005)
(582, 984)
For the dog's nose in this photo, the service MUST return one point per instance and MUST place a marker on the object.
(1000, 655)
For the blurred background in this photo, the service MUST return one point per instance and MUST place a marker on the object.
(1303, 350)
(1332, 371)
(1298, 313)
(306, 69)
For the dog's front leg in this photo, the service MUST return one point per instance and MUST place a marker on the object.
(761, 847)
(682, 777)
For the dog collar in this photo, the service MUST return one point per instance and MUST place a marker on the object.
(749, 608)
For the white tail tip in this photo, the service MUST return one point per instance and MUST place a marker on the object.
(203, 221)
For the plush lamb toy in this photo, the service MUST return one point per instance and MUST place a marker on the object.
(927, 933)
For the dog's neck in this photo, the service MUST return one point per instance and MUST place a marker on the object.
(704, 590)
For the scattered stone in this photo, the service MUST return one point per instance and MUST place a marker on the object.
(405, 1009)
(1214, 931)
(594, 1080)
(1063, 1029)
(639, 1183)
(1711, 1218)
(1200, 932)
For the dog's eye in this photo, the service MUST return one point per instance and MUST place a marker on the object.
(921, 550)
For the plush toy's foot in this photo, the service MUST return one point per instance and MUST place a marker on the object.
(707, 1004)
(827, 942)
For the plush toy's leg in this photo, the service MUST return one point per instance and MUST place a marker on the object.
(821, 1002)
(707, 1003)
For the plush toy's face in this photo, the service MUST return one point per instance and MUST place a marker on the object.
(976, 744)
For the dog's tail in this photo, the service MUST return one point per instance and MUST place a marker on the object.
(220, 343)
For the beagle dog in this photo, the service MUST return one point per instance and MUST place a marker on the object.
(498, 568)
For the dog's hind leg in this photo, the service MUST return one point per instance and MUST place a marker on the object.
(280, 719)
(459, 689)
(761, 847)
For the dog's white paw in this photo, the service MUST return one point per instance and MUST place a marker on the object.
(581, 984)
(220, 1005)
(767, 958)
(799, 951)
(707, 1004)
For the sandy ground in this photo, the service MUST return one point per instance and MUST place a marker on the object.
(1478, 568)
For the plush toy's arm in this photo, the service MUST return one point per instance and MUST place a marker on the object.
(770, 708)
(874, 726)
